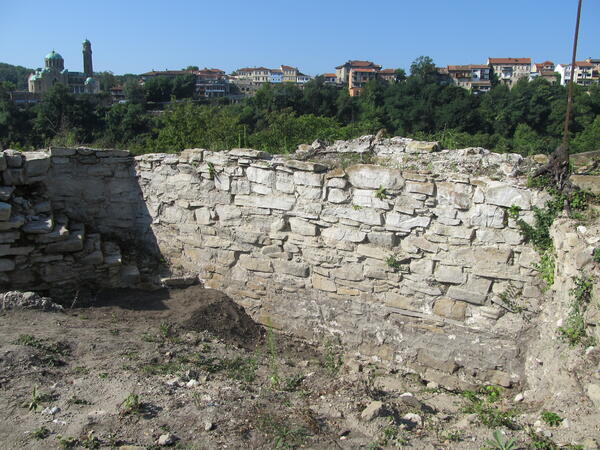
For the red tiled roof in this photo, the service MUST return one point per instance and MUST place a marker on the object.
(329, 75)
(583, 64)
(358, 63)
(469, 67)
(510, 60)
(288, 68)
(386, 71)
(166, 72)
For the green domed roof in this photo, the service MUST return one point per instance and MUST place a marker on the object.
(90, 80)
(53, 55)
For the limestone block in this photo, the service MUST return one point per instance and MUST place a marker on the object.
(487, 216)
(95, 258)
(260, 189)
(73, 244)
(6, 191)
(445, 211)
(9, 237)
(450, 309)
(261, 176)
(447, 365)
(176, 215)
(40, 226)
(338, 183)
(396, 300)
(13, 158)
(422, 266)
(36, 163)
(5, 210)
(419, 187)
(502, 194)
(338, 195)
(228, 213)
(474, 291)
(374, 252)
(302, 227)
(322, 283)
(6, 265)
(382, 239)
(222, 182)
(350, 272)
(309, 192)
(421, 147)
(249, 153)
(452, 231)
(308, 179)
(368, 198)
(284, 182)
(340, 233)
(405, 222)
(202, 216)
(361, 215)
(255, 264)
(590, 183)
(457, 195)
(449, 274)
(346, 291)
(366, 176)
(12, 223)
(305, 166)
(412, 244)
(291, 268)
(240, 186)
(7, 250)
(14, 177)
(282, 202)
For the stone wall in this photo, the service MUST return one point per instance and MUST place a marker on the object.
(409, 260)
(408, 266)
(53, 244)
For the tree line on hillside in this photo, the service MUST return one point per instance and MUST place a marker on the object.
(526, 119)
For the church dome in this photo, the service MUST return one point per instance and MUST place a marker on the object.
(53, 55)
(90, 80)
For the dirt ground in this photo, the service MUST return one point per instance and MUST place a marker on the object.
(189, 369)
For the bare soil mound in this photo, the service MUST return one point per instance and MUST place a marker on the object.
(225, 319)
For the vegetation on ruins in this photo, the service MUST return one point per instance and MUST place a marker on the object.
(163, 116)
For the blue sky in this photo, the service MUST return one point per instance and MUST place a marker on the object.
(131, 36)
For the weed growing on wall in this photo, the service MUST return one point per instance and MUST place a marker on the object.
(573, 331)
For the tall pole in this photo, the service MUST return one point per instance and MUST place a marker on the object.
(572, 81)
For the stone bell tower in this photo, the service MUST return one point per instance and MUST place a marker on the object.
(87, 59)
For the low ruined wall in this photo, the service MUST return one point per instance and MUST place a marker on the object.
(408, 266)
(45, 243)
(407, 261)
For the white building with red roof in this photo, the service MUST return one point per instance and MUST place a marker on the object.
(510, 70)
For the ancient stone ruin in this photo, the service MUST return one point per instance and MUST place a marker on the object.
(404, 252)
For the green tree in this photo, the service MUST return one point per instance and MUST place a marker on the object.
(158, 89)
(134, 93)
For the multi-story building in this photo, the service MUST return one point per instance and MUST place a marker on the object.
(510, 70)
(285, 74)
(211, 83)
(474, 77)
(357, 73)
(329, 78)
(290, 74)
(584, 73)
(54, 72)
(595, 69)
(545, 70)
(343, 72)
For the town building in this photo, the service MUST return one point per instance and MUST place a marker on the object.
(586, 73)
(330, 78)
(510, 70)
(54, 72)
(545, 70)
(473, 77)
(356, 74)
(285, 74)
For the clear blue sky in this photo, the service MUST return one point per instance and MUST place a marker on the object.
(137, 36)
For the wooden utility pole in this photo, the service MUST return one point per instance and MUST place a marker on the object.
(572, 80)
(557, 166)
